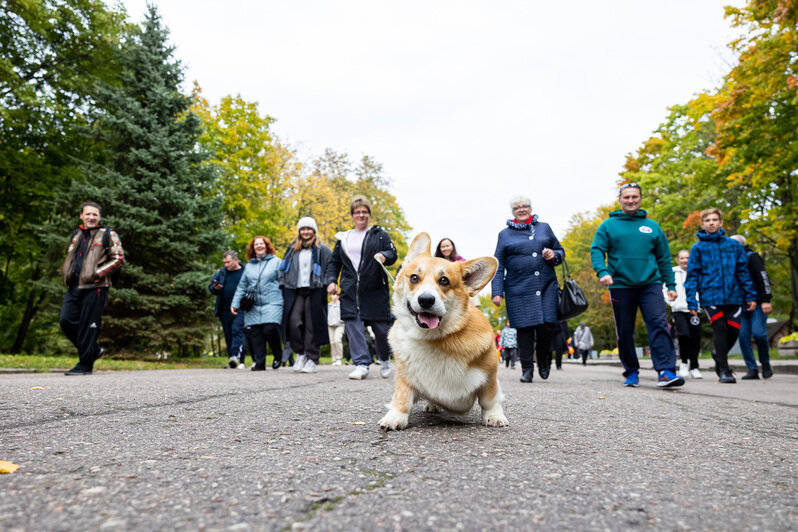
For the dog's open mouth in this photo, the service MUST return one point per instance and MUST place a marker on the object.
(425, 320)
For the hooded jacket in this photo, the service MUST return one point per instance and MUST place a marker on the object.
(636, 251)
(220, 277)
(364, 290)
(288, 276)
(718, 272)
(268, 306)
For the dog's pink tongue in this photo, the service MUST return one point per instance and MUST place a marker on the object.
(430, 320)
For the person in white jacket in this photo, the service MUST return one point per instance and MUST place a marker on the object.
(583, 340)
(688, 328)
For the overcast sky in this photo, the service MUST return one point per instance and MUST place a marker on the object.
(465, 103)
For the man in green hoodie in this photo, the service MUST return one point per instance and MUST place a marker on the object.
(631, 257)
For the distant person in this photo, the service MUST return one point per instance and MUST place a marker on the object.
(688, 327)
(755, 323)
(631, 257)
(527, 251)
(94, 253)
(583, 339)
(717, 274)
(509, 344)
(446, 250)
(358, 258)
(262, 321)
(305, 295)
(223, 286)
(335, 329)
(560, 343)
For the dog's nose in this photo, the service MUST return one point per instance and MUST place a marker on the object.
(426, 300)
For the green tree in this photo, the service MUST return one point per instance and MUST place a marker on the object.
(53, 54)
(159, 196)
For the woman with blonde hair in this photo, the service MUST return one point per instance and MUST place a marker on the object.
(304, 320)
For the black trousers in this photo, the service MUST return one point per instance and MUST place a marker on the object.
(725, 320)
(81, 319)
(300, 327)
(536, 340)
(261, 334)
(689, 337)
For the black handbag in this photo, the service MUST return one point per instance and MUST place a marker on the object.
(248, 299)
(571, 301)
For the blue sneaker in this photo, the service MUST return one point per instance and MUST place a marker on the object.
(668, 379)
(632, 381)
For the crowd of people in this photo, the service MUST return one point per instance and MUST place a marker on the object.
(314, 296)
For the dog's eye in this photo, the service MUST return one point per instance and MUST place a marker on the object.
(414, 278)
(443, 281)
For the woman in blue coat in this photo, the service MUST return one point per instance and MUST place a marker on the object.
(262, 321)
(527, 251)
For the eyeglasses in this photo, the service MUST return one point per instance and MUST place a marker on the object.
(516, 207)
(629, 185)
(360, 213)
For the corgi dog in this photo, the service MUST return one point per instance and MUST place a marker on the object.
(443, 345)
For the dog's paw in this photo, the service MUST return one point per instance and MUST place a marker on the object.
(431, 407)
(495, 419)
(394, 420)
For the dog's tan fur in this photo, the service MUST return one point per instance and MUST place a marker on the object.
(453, 363)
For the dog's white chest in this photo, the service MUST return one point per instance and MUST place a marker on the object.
(439, 378)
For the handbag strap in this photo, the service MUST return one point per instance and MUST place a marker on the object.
(566, 273)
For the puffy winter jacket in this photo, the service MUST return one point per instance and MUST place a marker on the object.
(268, 296)
(718, 272)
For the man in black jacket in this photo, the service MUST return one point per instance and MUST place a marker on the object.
(755, 323)
(223, 286)
(365, 300)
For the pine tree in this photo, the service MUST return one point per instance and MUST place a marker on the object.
(156, 193)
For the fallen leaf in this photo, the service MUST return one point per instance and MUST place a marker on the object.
(602, 397)
(358, 422)
(7, 467)
(37, 388)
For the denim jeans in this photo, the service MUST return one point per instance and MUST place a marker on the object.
(754, 324)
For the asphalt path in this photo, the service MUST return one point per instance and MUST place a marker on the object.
(276, 450)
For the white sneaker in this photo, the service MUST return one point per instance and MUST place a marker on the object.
(241, 366)
(694, 373)
(359, 373)
(336, 363)
(309, 367)
(385, 368)
(299, 365)
(684, 369)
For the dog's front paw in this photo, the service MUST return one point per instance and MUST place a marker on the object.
(431, 407)
(394, 420)
(495, 419)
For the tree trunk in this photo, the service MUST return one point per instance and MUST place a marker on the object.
(31, 308)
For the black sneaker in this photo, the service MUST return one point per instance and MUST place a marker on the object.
(767, 371)
(726, 376)
(259, 367)
(751, 375)
(78, 370)
(544, 373)
(528, 374)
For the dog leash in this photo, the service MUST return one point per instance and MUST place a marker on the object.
(385, 270)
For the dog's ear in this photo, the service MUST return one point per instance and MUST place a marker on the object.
(419, 246)
(477, 273)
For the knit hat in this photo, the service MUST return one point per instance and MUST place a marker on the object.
(307, 221)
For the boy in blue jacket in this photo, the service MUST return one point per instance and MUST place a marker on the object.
(718, 272)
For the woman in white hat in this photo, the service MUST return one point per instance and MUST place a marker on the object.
(305, 296)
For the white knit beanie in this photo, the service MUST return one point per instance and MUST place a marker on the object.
(307, 221)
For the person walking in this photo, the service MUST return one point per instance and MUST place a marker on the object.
(335, 328)
(358, 259)
(687, 326)
(94, 254)
(717, 273)
(583, 339)
(509, 344)
(527, 251)
(560, 343)
(631, 257)
(262, 321)
(223, 286)
(755, 323)
(301, 276)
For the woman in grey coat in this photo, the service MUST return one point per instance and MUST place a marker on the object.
(262, 322)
